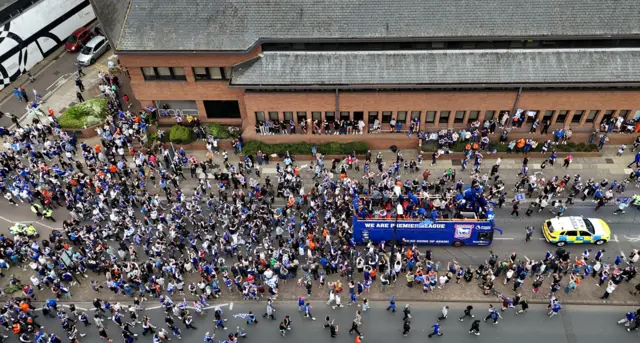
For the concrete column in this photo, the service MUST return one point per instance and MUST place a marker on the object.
(598, 118)
(567, 121)
(553, 117)
(481, 118)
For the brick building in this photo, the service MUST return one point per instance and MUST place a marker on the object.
(445, 63)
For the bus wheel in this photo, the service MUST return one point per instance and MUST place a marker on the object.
(458, 243)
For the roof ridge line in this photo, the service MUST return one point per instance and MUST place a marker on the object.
(124, 25)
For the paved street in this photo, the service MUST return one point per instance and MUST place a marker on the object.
(584, 324)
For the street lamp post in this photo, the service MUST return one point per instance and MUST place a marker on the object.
(399, 212)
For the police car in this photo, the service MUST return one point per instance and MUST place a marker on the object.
(575, 230)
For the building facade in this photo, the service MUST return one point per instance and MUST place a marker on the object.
(442, 63)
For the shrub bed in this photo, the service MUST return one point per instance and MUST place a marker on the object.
(89, 113)
(220, 131)
(252, 147)
(181, 134)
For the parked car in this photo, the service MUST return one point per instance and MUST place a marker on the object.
(97, 46)
(77, 39)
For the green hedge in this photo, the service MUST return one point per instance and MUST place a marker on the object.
(220, 131)
(181, 134)
(89, 113)
(569, 147)
(252, 147)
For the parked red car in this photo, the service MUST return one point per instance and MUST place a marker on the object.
(77, 39)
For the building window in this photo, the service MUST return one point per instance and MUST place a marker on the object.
(330, 116)
(473, 115)
(302, 116)
(608, 114)
(401, 117)
(386, 117)
(577, 116)
(273, 116)
(163, 73)
(459, 118)
(624, 113)
(415, 115)
(212, 73)
(562, 116)
(287, 115)
(548, 115)
(444, 117)
(592, 116)
(316, 116)
(489, 115)
(259, 117)
(345, 115)
(222, 109)
(358, 115)
(373, 115)
(431, 117)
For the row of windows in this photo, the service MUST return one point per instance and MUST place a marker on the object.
(430, 116)
(451, 45)
(177, 73)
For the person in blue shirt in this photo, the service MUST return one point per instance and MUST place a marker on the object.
(392, 304)
(555, 309)
(636, 160)
(436, 330)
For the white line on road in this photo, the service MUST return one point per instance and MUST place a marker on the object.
(615, 238)
(504, 238)
(231, 305)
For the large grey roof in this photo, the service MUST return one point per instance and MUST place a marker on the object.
(540, 66)
(217, 25)
(111, 15)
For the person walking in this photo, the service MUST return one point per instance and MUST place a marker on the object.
(79, 96)
(407, 312)
(636, 159)
(555, 309)
(79, 84)
(355, 324)
(436, 330)
(611, 286)
(524, 305)
(529, 233)
(467, 313)
(493, 314)
(445, 312)
(516, 207)
(406, 327)
(475, 328)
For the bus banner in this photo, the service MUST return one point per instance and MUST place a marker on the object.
(445, 232)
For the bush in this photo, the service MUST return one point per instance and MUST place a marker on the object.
(220, 131)
(252, 147)
(181, 134)
(89, 113)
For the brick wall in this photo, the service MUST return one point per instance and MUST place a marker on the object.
(571, 101)
(149, 91)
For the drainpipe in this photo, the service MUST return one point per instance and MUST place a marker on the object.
(515, 105)
(337, 104)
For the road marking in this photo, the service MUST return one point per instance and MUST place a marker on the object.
(153, 307)
(615, 238)
(231, 306)
(504, 238)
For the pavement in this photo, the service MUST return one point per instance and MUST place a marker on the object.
(584, 324)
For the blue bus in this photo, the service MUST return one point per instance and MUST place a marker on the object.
(453, 232)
